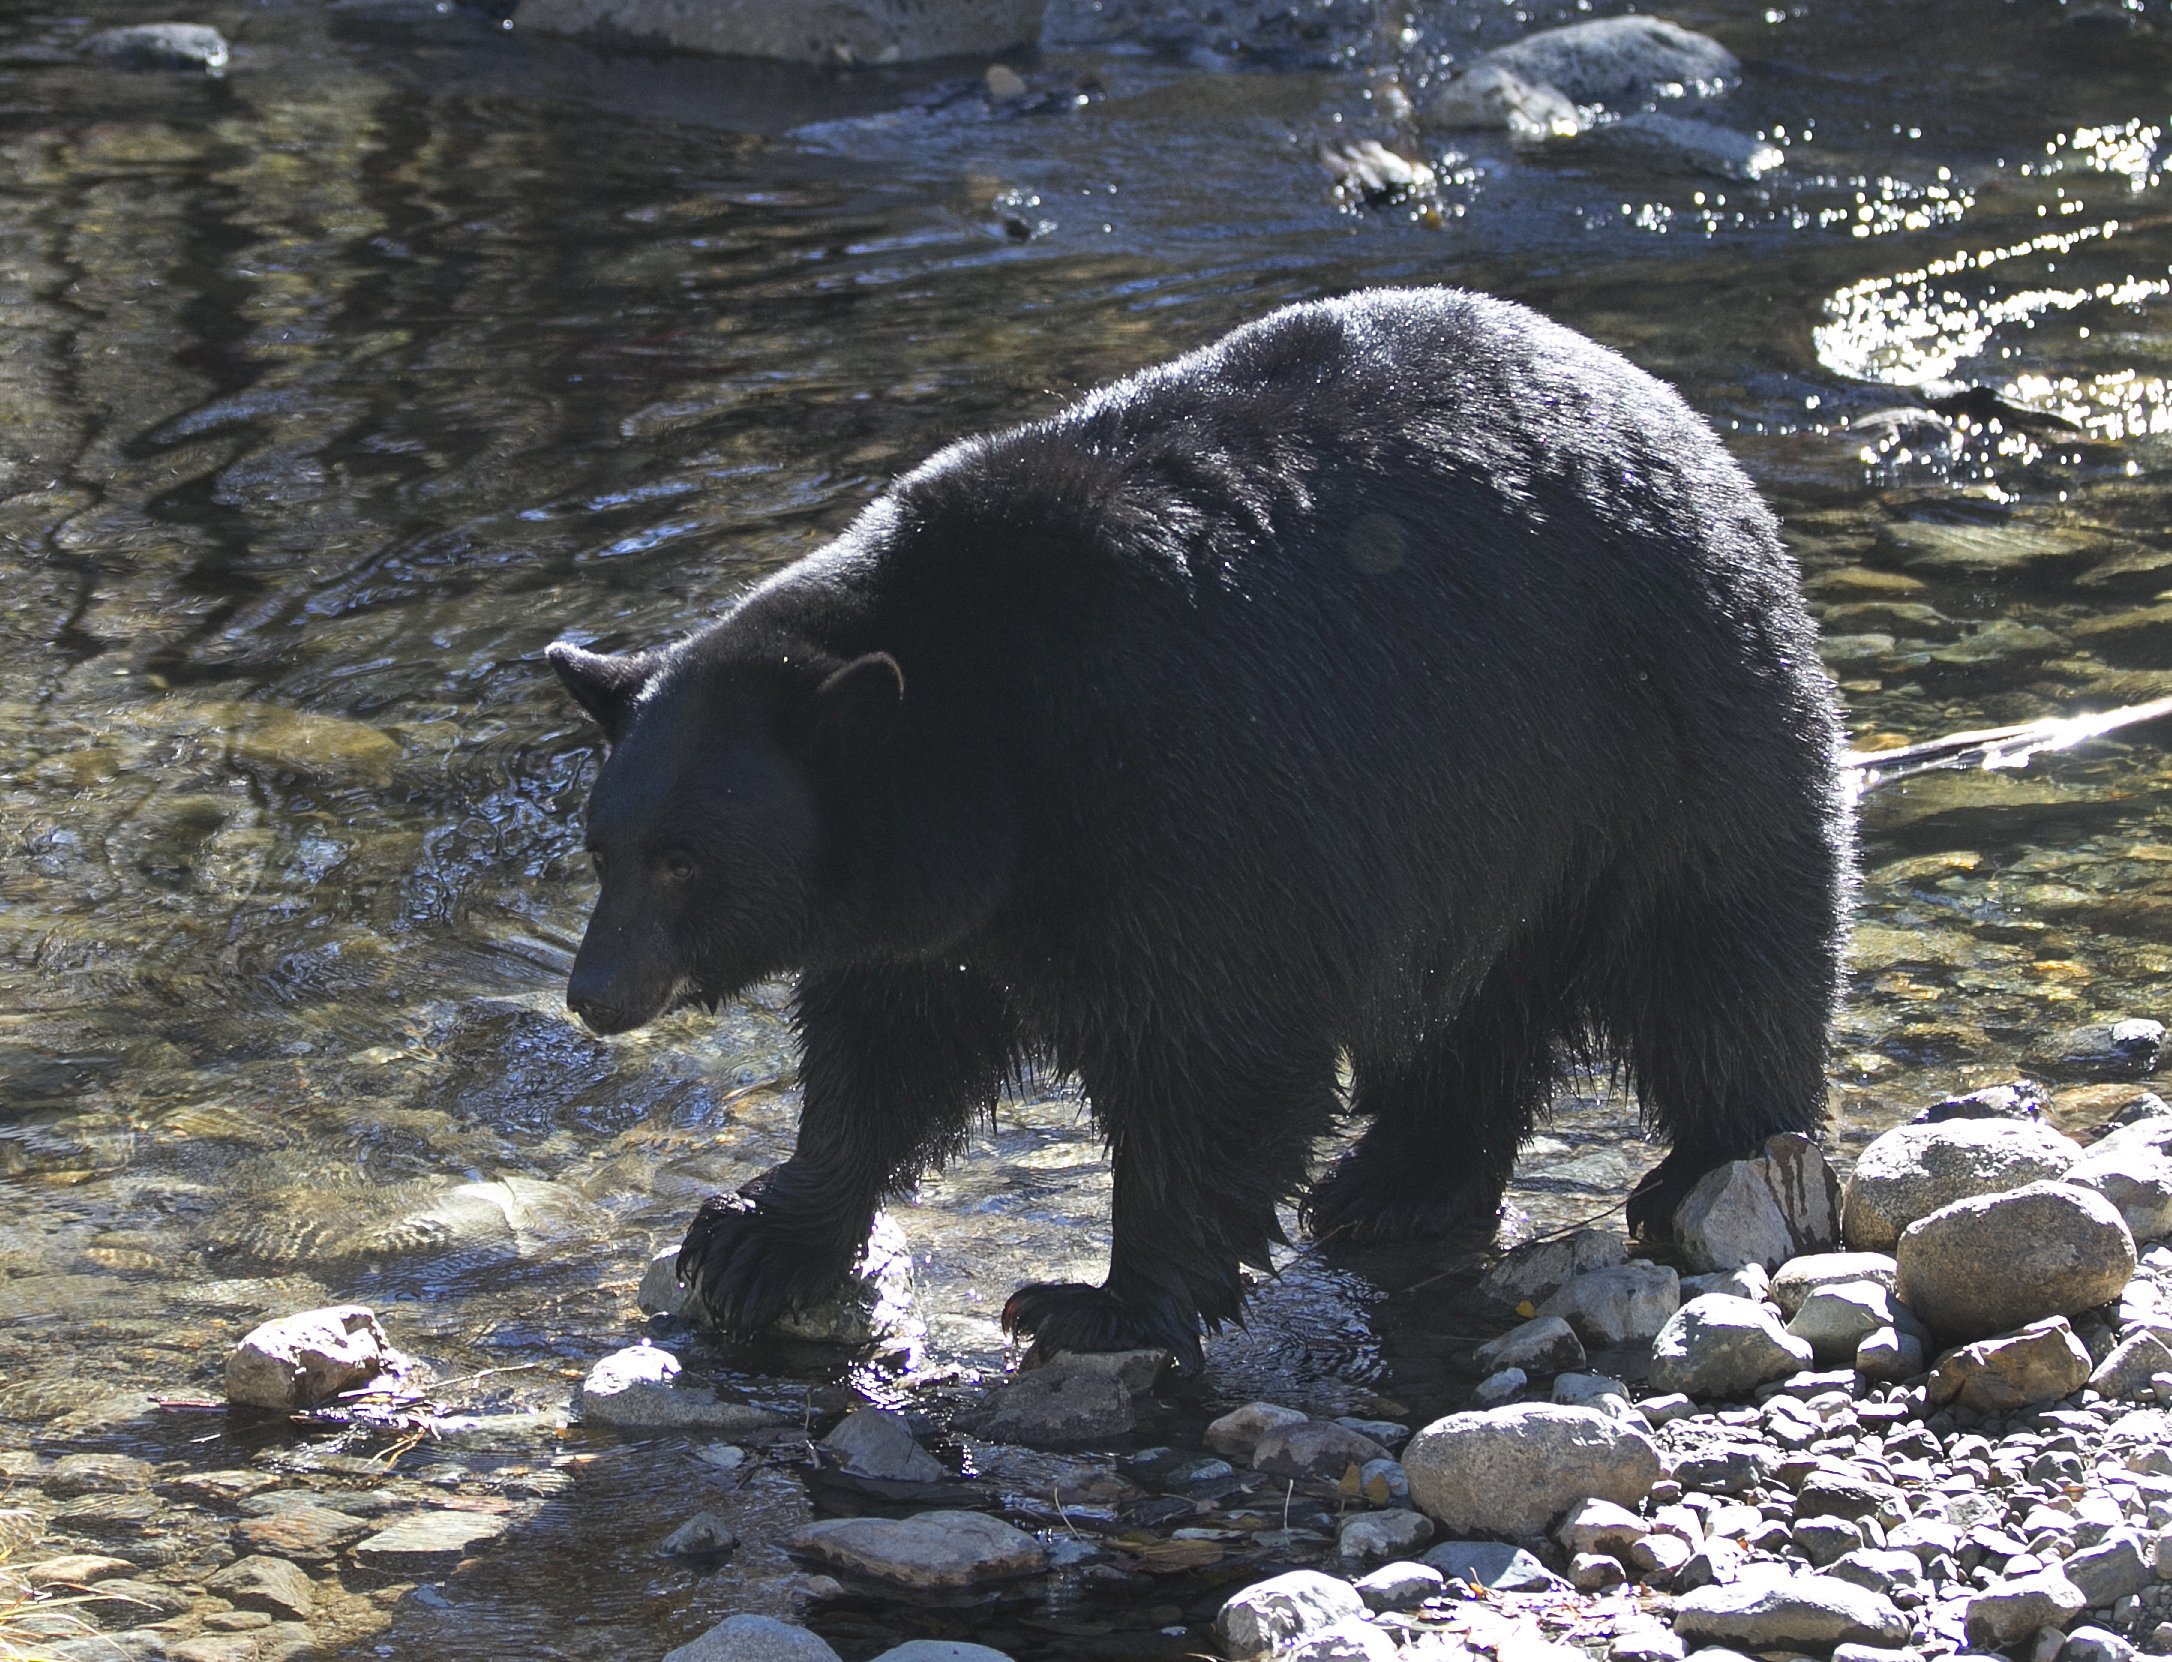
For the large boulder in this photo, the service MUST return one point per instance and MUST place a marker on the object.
(1913, 1170)
(1512, 1471)
(800, 31)
(1996, 1262)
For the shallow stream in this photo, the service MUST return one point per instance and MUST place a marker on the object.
(333, 389)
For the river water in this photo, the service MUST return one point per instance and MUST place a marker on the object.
(333, 389)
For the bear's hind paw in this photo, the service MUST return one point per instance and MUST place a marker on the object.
(747, 1271)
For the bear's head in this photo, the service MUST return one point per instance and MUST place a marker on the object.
(707, 824)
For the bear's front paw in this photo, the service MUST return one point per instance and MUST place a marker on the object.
(1372, 1202)
(1071, 1316)
(748, 1267)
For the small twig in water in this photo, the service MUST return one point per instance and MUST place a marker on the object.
(1055, 1493)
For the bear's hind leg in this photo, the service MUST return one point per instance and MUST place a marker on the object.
(1204, 1149)
(897, 1060)
(1722, 1008)
(1447, 1121)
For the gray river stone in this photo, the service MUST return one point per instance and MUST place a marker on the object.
(1317, 1449)
(1837, 1318)
(2132, 1168)
(874, 1442)
(1063, 1403)
(1269, 1616)
(638, 1389)
(2007, 1612)
(2042, 1362)
(800, 31)
(1991, 1263)
(1512, 1471)
(941, 1650)
(2128, 1048)
(1730, 1218)
(183, 46)
(1399, 1586)
(1545, 1344)
(2133, 1364)
(928, 1550)
(1624, 1304)
(1529, 1272)
(262, 1583)
(2115, 1568)
(305, 1360)
(1618, 62)
(754, 1639)
(417, 1543)
(1495, 1565)
(1718, 1346)
(1788, 1612)
(1798, 1278)
(96, 1474)
(1682, 144)
(1237, 1433)
(1914, 1170)
(1380, 1537)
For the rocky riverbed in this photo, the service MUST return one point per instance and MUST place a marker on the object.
(1925, 1413)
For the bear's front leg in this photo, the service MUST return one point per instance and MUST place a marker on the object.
(896, 1060)
(1199, 1173)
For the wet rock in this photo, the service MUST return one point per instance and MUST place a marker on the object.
(1494, 1565)
(1914, 1170)
(427, 1540)
(1716, 1346)
(1809, 1612)
(704, 1535)
(185, 46)
(1930, 546)
(2131, 1366)
(1490, 95)
(1269, 1616)
(74, 1569)
(96, 1474)
(928, 1550)
(1061, 1404)
(873, 1309)
(1622, 1305)
(1367, 171)
(1136, 1370)
(305, 1360)
(1618, 62)
(2041, 1362)
(1535, 1269)
(269, 1584)
(1497, 1388)
(2019, 1099)
(2132, 1168)
(1399, 1586)
(873, 1442)
(2113, 1569)
(1682, 144)
(1547, 1344)
(638, 1389)
(1382, 1537)
(1799, 1277)
(1837, 1318)
(2124, 1049)
(2058, 1250)
(799, 31)
(2007, 1612)
(754, 1639)
(1237, 1433)
(1317, 1449)
(1512, 1471)
(304, 1532)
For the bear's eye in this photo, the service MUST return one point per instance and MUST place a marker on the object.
(678, 867)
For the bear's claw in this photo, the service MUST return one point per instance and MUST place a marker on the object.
(1071, 1316)
(748, 1269)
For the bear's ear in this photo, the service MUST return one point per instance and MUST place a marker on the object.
(854, 706)
(602, 683)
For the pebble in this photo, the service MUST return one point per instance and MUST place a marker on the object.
(1717, 1346)
(928, 1550)
(305, 1360)
(704, 1535)
(1268, 1616)
(2059, 1250)
(1512, 1471)
(1913, 1170)
(754, 1639)
(1498, 1388)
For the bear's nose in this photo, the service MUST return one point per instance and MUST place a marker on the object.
(588, 997)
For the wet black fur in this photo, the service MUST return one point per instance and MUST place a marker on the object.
(1403, 677)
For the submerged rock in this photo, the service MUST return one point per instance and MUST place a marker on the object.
(1683, 143)
(1064, 1402)
(187, 46)
(873, 1442)
(638, 1389)
(1512, 1471)
(800, 31)
(1237, 1433)
(928, 1550)
(305, 1360)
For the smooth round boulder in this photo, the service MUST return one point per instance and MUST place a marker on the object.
(1913, 1170)
(1512, 1471)
(1993, 1263)
(1271, 1615)
(1798, 1278)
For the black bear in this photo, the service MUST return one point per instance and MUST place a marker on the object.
(1402, 679)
